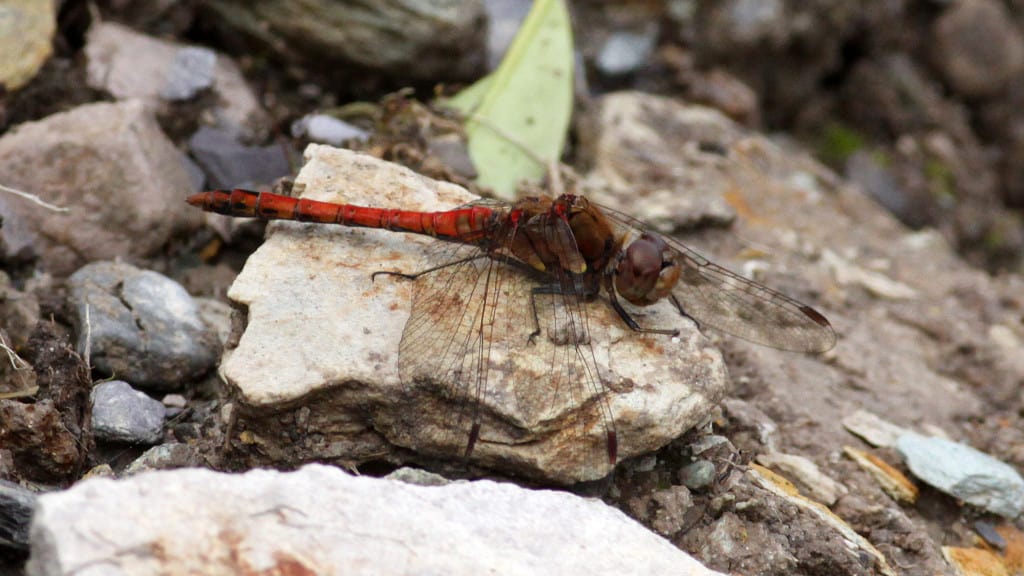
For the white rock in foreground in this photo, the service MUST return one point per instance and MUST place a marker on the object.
(320, 520)
(319, 327)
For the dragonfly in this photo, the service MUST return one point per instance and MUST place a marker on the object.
(506, 273)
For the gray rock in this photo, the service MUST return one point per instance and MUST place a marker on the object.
(16, 507)
(964, 473)
(878, 182)
(705, 443)
(112, 165)
(174, 401)
(131, 65)
(418, 477)
(312, 302)
(990, 535)
(698, 474)
(794, 515)
(192, 72)
(165, 457)
(750, 418)
(230, 164)
(504, 18)
(18, 237)
(195, 174)
(751, 22)
(672, 504)
(327, 129)
(123, 414)
(977, 47)
(644, 172)
(625, 52)
(140, 325)
(722, 91)
(435, 40)
(320, 520)
(217, 315)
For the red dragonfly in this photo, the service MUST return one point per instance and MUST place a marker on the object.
(513, 271)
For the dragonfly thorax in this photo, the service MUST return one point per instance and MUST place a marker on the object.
(567, 234)
(646, 270)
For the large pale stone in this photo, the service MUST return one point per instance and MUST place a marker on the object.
(320, 520)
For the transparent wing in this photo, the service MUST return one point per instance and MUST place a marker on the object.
(726, 301)
(450, 338)
(490, 333)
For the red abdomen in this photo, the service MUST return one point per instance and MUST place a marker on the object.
(462, 224)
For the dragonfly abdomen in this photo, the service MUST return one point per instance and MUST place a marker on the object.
(468, 224)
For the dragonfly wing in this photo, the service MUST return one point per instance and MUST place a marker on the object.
(451, 337)
(716, 297)
(575, 380)
(492, 334)
(726, 301)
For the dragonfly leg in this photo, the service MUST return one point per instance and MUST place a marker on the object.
(632, 323)
(679, 306)
(415, 275)
(545, 289)
(474, 435)
(613, 447)
(532, 338)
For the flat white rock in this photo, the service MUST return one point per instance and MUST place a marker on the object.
(319, 326)
(320, 520)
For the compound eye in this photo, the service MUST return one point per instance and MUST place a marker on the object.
(647, 272)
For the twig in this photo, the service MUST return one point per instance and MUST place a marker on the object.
(18, 364)
(33, 198)
(87, 349)
(16, 361)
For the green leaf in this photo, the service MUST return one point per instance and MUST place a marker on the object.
(468, 101)
(518, 116)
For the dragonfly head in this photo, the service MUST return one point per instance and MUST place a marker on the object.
(646, 271)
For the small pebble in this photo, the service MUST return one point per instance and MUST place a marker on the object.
(418, 477)
(327, 130)
(174, 401)
(988, 532)
(165, 457)
(123, 414)
(698, 474)
(625, 52)
(17, 505)
(705, 443)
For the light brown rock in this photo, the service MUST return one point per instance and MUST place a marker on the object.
(319, 328)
